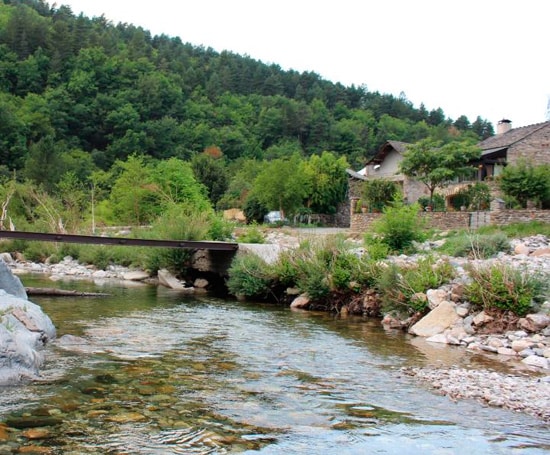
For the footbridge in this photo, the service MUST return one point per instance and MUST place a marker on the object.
(207, 256)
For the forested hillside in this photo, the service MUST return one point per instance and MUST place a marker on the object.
(79, 96)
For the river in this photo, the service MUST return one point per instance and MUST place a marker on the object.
(164, 373)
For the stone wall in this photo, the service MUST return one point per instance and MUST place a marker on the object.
(446, 220)
(504, 217)
(360, 222)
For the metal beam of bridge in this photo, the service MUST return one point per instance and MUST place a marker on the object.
(96, 240)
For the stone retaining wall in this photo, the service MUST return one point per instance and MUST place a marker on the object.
(504, 217)
(361, 222)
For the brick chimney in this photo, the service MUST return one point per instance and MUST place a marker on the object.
(504, 126)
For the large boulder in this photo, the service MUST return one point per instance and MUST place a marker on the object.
(24, 331)
(436, 321)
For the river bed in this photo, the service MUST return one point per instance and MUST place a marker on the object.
(153, 371)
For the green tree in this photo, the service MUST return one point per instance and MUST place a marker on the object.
(435, 165)
(281, 185)
(526, 182)
(174, 182)
(132, 198)
(212, 173)
(326, 180)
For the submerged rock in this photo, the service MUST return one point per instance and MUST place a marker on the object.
(24, 330)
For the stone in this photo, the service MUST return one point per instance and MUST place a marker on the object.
(539, 321)
(536, 361)
(438, 338)
(10, 283)
(436, 321)
(495, 342)
(436, 296)
(200, 283)
(6, 257)
(462, 311)
(521, 248)
(541, 252)
(506, 351)
(521, 344)
(300, 302)
(135, 275)
(169, 280)
(481, 319)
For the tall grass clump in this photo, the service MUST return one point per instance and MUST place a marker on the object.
(475, 245)
(249, 276)
(516, 230)
(322, 267)
(506, 288)
(399, 286)
(398, 227)
(179, 222)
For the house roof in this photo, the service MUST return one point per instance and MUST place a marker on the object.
(356, 175)
(505, 140)
(386, 148)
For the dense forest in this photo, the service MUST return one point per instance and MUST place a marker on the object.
(84, 101)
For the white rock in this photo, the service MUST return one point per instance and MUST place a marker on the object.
(506, 351)
(435, 297)
(135, 275)
(520, 345)
(438, 338)
(436, 321)
(300, 302)
(169, 280)
(536, 361)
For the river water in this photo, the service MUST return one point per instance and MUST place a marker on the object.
(157, 372)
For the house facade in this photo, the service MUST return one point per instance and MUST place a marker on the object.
(511, 145)
(385, 165)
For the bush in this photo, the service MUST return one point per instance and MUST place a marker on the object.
(376, 194)
(480, 246)
(400, 226)
(437, 203)
(179, 222)
(249, 276)
(252, 234)
(505, 288)
(526, 182)
(322, 267)
(398, 286)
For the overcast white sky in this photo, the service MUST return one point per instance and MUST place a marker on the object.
(473, 57)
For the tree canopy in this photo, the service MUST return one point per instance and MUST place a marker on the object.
(435, 164)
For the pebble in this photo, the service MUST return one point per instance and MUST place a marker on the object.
(519, 393)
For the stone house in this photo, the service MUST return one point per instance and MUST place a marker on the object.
(509, 146)
(385, 165)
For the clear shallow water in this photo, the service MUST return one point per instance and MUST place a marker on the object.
(159, 372)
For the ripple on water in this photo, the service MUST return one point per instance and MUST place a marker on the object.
(211, 376)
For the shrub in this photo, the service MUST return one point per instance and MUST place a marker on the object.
(322, 267)
(252, 234)
(437, 202)
(400, 226)
(399, 285)
(480, 246)
(249, 276)
(525, 182)
(179, 222)
(505, 288)
(376, 194)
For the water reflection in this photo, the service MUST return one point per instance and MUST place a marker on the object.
(166, 373)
